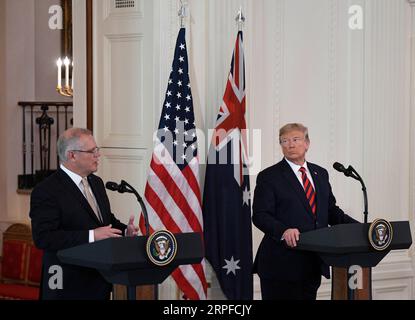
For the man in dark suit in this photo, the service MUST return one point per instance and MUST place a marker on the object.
(291, 197)
(71, 208)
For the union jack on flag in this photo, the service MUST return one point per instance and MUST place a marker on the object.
(172, 192)
(226, 200)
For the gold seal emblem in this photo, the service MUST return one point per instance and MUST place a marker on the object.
(380, 234)
(161, 247)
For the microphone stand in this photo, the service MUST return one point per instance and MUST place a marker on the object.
(130, 189)
(353, 173)
(365, 213)
(126, 187)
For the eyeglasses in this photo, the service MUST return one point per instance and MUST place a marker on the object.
(295, 141)
(94, 151)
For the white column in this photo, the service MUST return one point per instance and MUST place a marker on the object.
(412, 131)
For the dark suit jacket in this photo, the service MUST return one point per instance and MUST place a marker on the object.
(61, 218)
(280, 203)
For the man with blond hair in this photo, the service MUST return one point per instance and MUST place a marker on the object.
(291, 197)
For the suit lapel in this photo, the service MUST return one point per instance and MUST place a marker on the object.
(74, 190)
(296, 185)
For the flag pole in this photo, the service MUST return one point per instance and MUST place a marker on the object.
(240, 19)
(182, 13)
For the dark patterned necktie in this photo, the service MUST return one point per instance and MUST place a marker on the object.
(309, 190)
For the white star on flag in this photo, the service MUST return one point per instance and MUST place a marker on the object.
(231, 266)
(246, 196)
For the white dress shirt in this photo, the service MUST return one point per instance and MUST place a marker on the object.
(77, 179)
(296, 169)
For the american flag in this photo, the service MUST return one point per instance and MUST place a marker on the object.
(172, 191)
(226, 201)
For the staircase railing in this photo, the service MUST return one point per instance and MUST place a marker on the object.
(42, 123)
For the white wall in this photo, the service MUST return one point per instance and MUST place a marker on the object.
(20, 86)
(47, 51)
(3, 182)
(29, 51)
(412, 127)
(2, 99)
(79, 54)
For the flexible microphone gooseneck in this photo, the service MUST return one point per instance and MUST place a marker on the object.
(125, 187)
(351, 172)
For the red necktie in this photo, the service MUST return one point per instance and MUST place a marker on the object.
(309, 190)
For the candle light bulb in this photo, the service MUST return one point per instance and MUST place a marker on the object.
(66, 62)
(59, 64)
(72, 76)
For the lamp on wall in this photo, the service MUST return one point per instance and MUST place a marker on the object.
(67, 89)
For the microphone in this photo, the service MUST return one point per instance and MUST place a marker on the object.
(121, 188)
(339, 167)
(347, 172)
(113, 186)
(351, 172)
(126, 187)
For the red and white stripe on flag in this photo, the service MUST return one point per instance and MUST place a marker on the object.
(173, 202)
(172, 193)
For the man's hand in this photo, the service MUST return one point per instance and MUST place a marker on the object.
(131, 229)
(106, 232)
(291, 236)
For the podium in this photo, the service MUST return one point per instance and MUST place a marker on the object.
(124, 260)
(347, 245)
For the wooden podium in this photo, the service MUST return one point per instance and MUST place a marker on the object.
(346, 245)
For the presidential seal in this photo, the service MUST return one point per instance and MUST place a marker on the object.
(380, 234)
(161, 247)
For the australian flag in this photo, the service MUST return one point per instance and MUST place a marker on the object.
(226, 201)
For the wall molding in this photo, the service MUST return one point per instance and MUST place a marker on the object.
(79, 53)
(412, 130)
(332, 89)
(278, 74)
